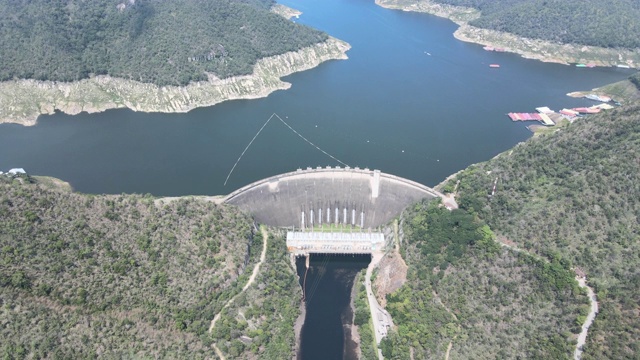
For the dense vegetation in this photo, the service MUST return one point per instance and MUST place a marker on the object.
(612, 24)
(635, 79)
(575, 196)
(152, 41)
(114, 276)
(487, 301)
(260, 322)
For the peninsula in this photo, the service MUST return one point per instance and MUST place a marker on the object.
(160, 62)
(506, 30)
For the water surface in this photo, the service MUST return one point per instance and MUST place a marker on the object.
(391, 106)
(326, 333)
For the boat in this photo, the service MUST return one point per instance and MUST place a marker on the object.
(623, 66)
(489, 48)
(591, 65)
(494, 65)
(581, 65)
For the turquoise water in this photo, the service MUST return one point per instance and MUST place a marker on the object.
(391, 106)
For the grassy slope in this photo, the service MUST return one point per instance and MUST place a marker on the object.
(575, 196)
(113, 276)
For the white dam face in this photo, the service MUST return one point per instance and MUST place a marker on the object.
(314, 197)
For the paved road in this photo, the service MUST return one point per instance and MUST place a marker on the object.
(379, 316)
(582, 338)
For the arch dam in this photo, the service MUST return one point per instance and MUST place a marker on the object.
(333, 209)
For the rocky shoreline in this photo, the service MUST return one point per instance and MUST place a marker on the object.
(527, 48)
(22, 101)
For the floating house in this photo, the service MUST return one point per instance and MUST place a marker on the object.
(16, 171)
(543, 118)
(589, 110)
(569, 112)
(544, 110)
(598, 97)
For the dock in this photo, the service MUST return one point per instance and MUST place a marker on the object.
(540, 117)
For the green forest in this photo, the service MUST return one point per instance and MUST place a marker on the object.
(488, 302)
(574, 195)
(611, 24)
(151, 41)
(85, 276)
(260, 322)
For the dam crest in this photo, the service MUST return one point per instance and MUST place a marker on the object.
(330, 196)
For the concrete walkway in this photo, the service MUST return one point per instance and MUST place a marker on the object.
(252, 278)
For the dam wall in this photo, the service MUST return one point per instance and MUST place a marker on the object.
(320, 196)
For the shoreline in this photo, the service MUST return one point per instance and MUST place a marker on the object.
(297, 329)
(23, 101)
(535, 49)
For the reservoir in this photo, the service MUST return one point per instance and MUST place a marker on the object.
(410, 101)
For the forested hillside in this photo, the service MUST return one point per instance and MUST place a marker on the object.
(575, 196)
(152, 41)
(635, 79)
(466, 293)
(260, 322)
(116, 276)
(609, 24)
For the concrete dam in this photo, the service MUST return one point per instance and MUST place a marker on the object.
(349, 197)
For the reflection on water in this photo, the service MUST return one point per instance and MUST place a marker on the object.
(329, 281)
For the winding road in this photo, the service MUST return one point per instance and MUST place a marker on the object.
(380, 317)
(252, 278)
(582, 338)
(582, 282)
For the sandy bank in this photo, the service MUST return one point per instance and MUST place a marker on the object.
(22, 101)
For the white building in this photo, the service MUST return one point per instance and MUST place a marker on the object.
(16, 171)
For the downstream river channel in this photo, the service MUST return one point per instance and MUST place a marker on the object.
(411, 101)
(326, 333)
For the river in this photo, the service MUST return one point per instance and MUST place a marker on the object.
(411, 101)
(326, 332)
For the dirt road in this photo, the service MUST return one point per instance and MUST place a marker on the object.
(252, 278)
